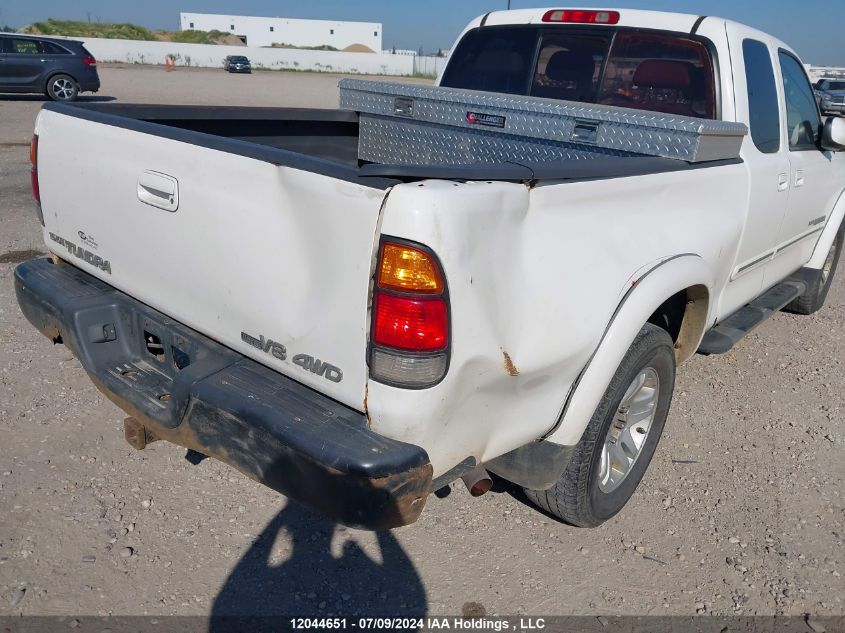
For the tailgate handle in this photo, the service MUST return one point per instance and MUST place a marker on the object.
(159, 190)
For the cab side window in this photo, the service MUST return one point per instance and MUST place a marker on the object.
(24, 47)
(764, 115)
(803, 122)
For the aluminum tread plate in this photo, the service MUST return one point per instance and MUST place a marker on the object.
(533, 128)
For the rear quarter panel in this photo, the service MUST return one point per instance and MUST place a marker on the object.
(534, 277)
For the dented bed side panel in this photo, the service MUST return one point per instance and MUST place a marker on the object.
(535, 274)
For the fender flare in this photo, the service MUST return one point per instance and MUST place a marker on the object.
(834, 223)
(646, 294)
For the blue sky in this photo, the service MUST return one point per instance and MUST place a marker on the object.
(814, 28)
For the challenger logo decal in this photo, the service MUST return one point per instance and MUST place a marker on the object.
(490, 120)
(80, 253)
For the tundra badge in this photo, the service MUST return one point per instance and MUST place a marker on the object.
(81, 253)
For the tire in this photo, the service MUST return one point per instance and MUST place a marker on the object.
(62, 88)
(813, 300)
(586, 497)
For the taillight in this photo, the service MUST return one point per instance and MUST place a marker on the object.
(409, 342)
(33, 151)
(89, 61)
(33, 177)
(578, 16)
(408, 269)
(414, 325)
(33, 180)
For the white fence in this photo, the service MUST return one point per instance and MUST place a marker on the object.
(428, 66)
(211, 56)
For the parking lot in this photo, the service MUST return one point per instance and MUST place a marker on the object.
(741, 511)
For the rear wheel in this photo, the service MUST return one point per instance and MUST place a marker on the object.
(619, 442)
(813, 300)
(62, 88)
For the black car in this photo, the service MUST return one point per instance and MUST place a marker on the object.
(61, 69)
(237, 64)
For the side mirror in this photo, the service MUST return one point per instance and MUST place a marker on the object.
(833, 134)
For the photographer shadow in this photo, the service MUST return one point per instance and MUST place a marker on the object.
(311, 582)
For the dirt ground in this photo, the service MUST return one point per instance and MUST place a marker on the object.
(741, 512)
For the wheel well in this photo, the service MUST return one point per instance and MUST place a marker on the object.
(55, 73)
(684, 316)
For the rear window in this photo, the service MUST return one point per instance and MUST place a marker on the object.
(49, 48)
(659, 72)
(494, 59)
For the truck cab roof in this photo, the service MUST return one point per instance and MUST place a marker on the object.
(653, 20)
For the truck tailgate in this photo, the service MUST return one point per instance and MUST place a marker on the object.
(270, 260)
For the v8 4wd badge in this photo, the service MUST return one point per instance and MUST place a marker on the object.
(280, 352)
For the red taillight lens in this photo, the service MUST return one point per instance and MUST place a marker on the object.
(89, 61)
(415, 325)
(409, 342)
(33, 178)
(575, 16)
(33, 173)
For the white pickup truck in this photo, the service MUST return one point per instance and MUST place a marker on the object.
(355, 332)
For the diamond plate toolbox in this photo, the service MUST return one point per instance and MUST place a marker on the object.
(406, 124)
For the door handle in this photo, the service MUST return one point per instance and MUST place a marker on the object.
(158, 190)
(783, 182)
(799, 178)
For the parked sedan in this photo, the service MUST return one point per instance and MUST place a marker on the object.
(237, 64)
(61, 69)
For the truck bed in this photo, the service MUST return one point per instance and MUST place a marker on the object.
(328, 142)
(327, 135)
(258, 227)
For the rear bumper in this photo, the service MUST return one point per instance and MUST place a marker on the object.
(189, 390)
(91, 85)
(89, 81)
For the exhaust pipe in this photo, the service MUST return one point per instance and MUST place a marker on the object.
(477, 481)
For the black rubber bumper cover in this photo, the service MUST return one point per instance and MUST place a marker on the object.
(186, 388)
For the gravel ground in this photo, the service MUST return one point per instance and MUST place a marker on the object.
(741, 511)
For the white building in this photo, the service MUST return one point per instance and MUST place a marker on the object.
(827, 72)
(256, 31)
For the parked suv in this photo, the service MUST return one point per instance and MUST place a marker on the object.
(831, 96)
(61, 69)
(237, 64)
